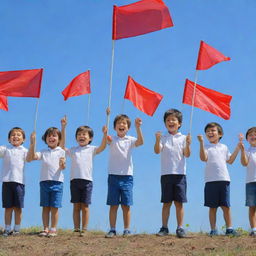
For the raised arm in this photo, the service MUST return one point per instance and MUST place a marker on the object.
(203, 155)
(235, 153)
(32, 148)
(140, 139)
(157, 147)
(187, 150)
(103, 141)
(64, 122)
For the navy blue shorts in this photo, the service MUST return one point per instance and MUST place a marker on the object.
(217, 193)
(81, 191)
(120, 190)
(174, 188)
(13, 195)
(250, 194)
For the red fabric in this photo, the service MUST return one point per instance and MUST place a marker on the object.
(140, 18)
(142, 98)
(21, 83)
(208, 56)
(79, 85)
(3, 103)
(209, 100)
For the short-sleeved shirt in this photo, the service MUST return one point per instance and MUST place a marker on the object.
(216, 165)
(251, 167)
(13, 166)
(172, 157)
(82, 162)
(120, 155)
(50, 164)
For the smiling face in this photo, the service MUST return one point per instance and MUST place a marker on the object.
(52, 140)
(121, 127)
(16, 137)
(251, 138)
(172, 124)
(83, 138)
(213, 134)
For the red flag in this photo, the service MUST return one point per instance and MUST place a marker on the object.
(21, 83)
(3, 103)
(142, 98)
(209, 100)
(208, 56)
(80, 85)
(140, 18)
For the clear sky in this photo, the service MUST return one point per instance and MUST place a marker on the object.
(69, 37)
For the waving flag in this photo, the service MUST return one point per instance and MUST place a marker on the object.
(139, 18)
(21, 83)
(208, 56)
(3, 103)
(206, 99)
(79, 85)
(142, 98)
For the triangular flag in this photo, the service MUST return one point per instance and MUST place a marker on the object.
(78, 86)
(142, 98)
(206, 99)
(140, 18)
(21, 83)
(208, 56)
(3, 103)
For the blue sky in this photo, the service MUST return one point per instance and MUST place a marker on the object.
(69, 37)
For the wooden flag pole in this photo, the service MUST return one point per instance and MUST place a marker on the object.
(36, 113)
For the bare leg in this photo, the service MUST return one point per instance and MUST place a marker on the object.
(8, 216)
(46, 217)
(212, 217)
(252, 216)
(76, 215)
(54, 217)
(126, 216)
(165, 214)
(179, 213)
(18, 214)
(112, 215)
(227, 215)
(85, 215)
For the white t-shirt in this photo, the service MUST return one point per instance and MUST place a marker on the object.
(81, 162)
(172, 157)
(216, 165)
(120, 155)
(50, 164)
(14, 159)
(251, 167)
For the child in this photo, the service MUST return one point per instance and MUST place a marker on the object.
(13, 189)
(51, 177)
(81, 173)
(248, 159)
(217, 180)
(120, 169)
(174, 147)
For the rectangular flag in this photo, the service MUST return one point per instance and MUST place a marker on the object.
(3, 103)
(21, 83)
(140, 18)
(142, 98)
(206, 99)
(78, 86)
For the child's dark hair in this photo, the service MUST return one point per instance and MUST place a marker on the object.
(16, 129)
(87, 129)
(50, 131)
(121, 117)
(252, 129)
(174, 112)
(212, 125)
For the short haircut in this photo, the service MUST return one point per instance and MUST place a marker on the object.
(50, 131)
(122, 117)
(87, 129)
(16, 129)
(173, 112)
(212, 125)
(252, 129)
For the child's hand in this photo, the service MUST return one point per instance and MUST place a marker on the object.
(105, 129)
(109, 139)
(158, 135)
(200, 138)
(241, 137)
(62, 163)
(64, 121)
(33, 138)
(138, 122)
(188, 139)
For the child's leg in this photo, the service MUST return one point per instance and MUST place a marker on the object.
(18, 214)
(126, 216)
(46, 217)
(85, 215)
(165, 214)
(8, 216)
(54, 217)
(179, 213)
(76, 215)
(212, 217)
(227, 216)
(252, 216)
(112, 216)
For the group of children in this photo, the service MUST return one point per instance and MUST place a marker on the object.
(174, 148)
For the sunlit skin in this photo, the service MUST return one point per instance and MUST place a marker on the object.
(121, 128)
(251, 138)
(83, 138)
(213, 135)
(172, 124)
(16, 138)
(52, 140)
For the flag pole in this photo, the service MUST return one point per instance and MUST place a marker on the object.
(88, 108)
(111, 79)
(122, 110)
(193, 102)
(36, 112)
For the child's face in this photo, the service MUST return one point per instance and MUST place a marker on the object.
(121, 127)
(16, 138)
(251, 138)
(83, 138)
(213, 135)
(172, 124)
(52, 140)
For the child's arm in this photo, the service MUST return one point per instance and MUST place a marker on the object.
(157, 147)
(62, 163)
(203, 155)
(63, 132)
(31, 153)
(244, 159)
(235, 153)
(187, 151)
(104, 140)
(140, 139)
